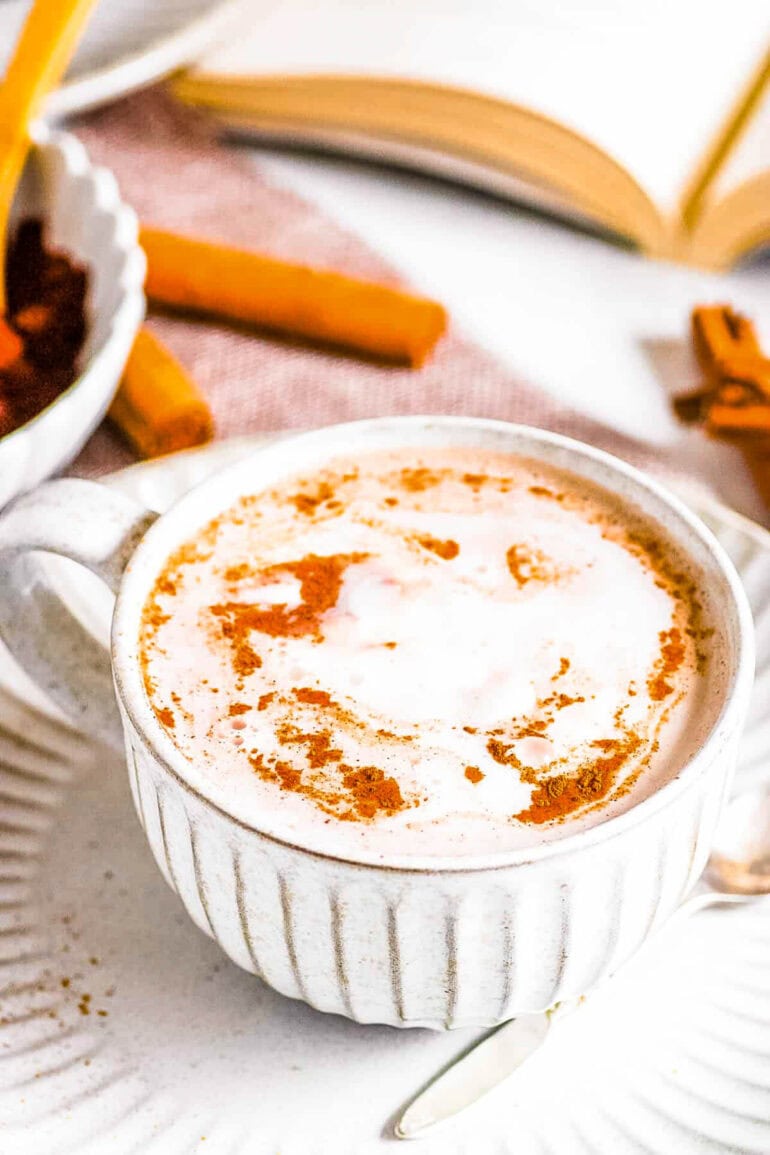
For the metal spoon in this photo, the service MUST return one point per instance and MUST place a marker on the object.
(737, 873)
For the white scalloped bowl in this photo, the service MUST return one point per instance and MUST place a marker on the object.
(84, 215)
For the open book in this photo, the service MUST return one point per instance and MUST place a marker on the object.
(650, 120)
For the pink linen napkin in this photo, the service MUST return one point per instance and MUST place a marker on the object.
(175, 173)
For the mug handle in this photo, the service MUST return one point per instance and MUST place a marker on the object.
(99, 529)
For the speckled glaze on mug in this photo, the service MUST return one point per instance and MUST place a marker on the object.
(439, 942)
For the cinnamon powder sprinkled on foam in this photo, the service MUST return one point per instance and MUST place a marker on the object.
(557, 795)
(318, 745)
(372, 791)
(154, 617)
(354, 793)
(420, 479)
(672, 654)
(444, 549)
(308, 503)
(311, 761)
(312, 765)
(237, 708)
(596, 780)
(312, 697)
(527, 564)
(563, 794)
(320, 581)
(236, 573)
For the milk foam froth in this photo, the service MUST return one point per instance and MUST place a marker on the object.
(449, 651)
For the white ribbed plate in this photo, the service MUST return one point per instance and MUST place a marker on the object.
(193, 1055)
(128, 44)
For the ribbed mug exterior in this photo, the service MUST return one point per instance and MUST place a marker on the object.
(421, 948)
(439, 942)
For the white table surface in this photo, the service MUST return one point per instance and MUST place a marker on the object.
(599, 327)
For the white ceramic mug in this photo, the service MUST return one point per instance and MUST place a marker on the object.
(436, 943)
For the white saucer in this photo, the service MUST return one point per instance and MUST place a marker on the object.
(193, 1055)
(128, 44)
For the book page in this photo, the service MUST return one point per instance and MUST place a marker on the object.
(649, 83)
(751, 155)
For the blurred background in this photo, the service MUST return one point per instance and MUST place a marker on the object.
(570, 180)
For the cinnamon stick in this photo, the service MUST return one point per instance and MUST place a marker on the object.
(158, 407)
(732, 421)
(751, 370)
(692, 407)
(218, 280)
(719, 332)
(734, 402)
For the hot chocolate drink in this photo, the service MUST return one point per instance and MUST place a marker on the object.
(452, 651)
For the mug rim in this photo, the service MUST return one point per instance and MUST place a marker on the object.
(136, 708)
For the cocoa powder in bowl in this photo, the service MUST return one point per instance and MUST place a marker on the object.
(46, 295)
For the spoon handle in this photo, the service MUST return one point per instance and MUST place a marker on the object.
(506, 1048)
(466, 1080)
(46, 44)
(703, 899)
